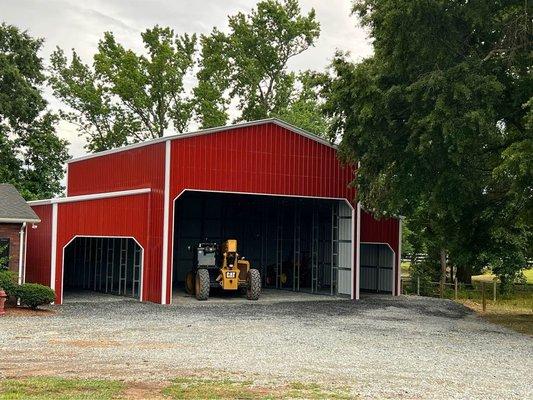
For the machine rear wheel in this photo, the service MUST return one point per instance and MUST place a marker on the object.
(254, 285)
(202, 284)
(189, 283)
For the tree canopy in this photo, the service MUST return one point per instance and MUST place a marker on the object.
(31, 154)
(126, 97)
(440, 121)
(248, 66)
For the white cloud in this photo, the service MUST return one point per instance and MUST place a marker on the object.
(80, 24)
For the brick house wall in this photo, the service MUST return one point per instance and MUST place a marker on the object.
(12, 232)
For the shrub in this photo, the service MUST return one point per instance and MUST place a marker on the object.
(8, 282)
(34, 295)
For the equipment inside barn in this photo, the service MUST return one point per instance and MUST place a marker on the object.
(297, 244)
(221, 267)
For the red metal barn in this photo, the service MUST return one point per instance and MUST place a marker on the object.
(130, 214)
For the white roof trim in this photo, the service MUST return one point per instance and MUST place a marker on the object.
(19, 220)
(86, 197)
(275, 121)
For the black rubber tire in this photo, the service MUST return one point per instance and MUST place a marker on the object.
(189, 283)
(254, 285)
(202, 284)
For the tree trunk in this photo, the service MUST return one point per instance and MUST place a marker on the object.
(442, 271)
(464, 274)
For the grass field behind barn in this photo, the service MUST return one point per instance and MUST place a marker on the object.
(513, 310)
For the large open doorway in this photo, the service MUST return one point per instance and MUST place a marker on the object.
(298, 244)
(377, 268)
(111, 265)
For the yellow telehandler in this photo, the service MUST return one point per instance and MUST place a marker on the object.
(221, 267)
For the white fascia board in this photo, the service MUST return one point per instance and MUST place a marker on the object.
(19, 220)
(86, 197)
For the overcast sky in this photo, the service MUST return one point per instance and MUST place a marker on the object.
(80, 24)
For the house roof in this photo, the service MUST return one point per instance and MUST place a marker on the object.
(13, 208)
(275, 121)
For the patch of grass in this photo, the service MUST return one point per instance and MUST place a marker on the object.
(219, 389)
(513, 310)
(49, 388)
(299, 390)
(489, 277)
(406, 268)
(528, 273)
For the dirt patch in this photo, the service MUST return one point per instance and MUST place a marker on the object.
(143, 390)
(104, 343)
(87, 343)
(27, 312)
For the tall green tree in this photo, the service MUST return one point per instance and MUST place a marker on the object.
(248, 65)
(126, 97)
(31, 154)
(438, 119)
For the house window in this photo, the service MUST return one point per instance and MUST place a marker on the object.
(4, 253)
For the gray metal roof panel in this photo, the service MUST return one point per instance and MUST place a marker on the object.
(13, 208)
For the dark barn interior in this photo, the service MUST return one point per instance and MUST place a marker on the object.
(103, 264)
(289, 239)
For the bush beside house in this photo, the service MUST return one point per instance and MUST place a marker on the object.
(31, 295)
(34, 295)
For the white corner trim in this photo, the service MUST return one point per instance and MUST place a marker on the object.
(399, 260)
(21, 251)
(25, 254)
(53, 256)
(353, 248)
(358, 259)
(166, 213)
(86, 197)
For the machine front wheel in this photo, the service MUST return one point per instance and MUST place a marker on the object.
(202, 284)
(254, 285)
(189, 283)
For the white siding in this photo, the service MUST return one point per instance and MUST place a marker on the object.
(345, 249)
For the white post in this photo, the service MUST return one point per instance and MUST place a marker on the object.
(358, 246)
(21, 251)
(166, 213)
(54, 248)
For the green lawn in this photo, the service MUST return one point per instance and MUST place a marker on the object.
(488, 277)
(52, 388)
(49, 388)
(215, 389)
(529, 275)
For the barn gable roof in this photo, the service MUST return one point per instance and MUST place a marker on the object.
(275, 121)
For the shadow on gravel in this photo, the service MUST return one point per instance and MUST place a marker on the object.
(379, 307)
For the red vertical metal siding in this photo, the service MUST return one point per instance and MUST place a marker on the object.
(39, 250)
(258, 159)
(264, 158)
(385, 230)
(141, 167)
(137, 168)
(119, 216)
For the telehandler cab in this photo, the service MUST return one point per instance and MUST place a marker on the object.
(215, 267)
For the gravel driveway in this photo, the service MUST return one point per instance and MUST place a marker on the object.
(382, 347)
